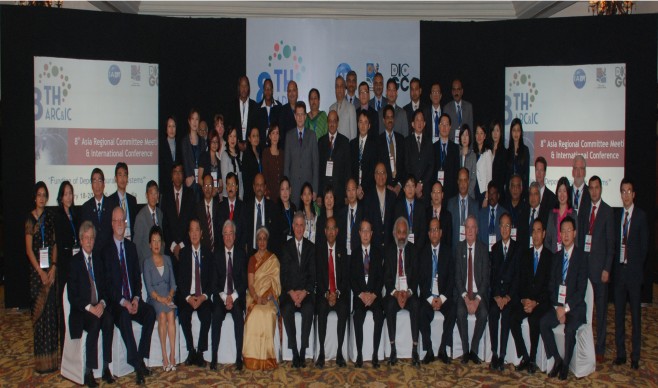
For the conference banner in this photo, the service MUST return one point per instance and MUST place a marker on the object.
(568, 111)
(313, 52)
(94, 114)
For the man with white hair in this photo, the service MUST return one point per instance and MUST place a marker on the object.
(580, 197)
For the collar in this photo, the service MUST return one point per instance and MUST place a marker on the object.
(356, 204)
(208, 203)
(470, 246)
(261, 202)
(364, 247)
(541, 247)
(597, 204)
(464, 197)
(180, 191)
(569, 251)
(333, 247)
(227, 251)
(364, 138)
(437, 247)
(231, 202)
(196, 250)
(580, 188)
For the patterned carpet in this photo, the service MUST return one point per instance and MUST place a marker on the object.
(16, 367)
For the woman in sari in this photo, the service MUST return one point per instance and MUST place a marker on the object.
(262, 306)
(42, 253)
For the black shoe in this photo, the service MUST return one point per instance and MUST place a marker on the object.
(494, 362)
(429, 357)
(239, 364)
(145, 371)
(213, 364)
(393, 358)
(415, 360)
(200, 362)
(107, 376)
(635, 365)
(302, 358)
(474, 358)
(532, 367)
(90, 381)
(359, 361)
(465, 358)
(523, 365)
(139, 377)
(619, 361)
(501, 363)
(320, 361)
(443, 356)
(191, 358)
(295, 360)
(375, 361)
(564, 372)
(556, 369)
(340, 361)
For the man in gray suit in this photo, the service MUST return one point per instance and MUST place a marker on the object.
(401, 125)
(461, 206)
(301, 155)
(597, 239)
(379, 101)
(460, 111)
(346, 111)
(351, 95)
(472, 287)
(148, 217)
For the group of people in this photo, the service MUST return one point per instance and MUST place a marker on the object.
(385, 207)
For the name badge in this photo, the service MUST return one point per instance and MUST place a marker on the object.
(214, 179)
(288, 237)
(492, 241)
(329, 171)
(530, 242)
(462, 233)
(457, 136)
(196, 174)
(559, 246)
(588, 242)
(366, 277)
(403, 284)
(562, 294)
(43, 258)
(514, 234)
(412, 238)
(441, 177)
(623, 253)
(126, 233)
(392, 162)
(76, 250)
(435, 286)
(360, 176)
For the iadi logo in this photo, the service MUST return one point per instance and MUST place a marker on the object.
(285, 64)
(52, 87)
(521, 95)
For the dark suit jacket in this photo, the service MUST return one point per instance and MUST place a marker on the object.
(637, 244)
(499, 172)
(481, 270)
(599, 258)
(271, 222)
(185, 272)
(548, 201)
(286, 121)
(483, 223)
(342, 218)
(342, 265)
(239, 218)
(235, 116)
(504, 272)
(391, 267)
(132, 208)
(368, 162)
(408, 109)
(218, 275)
(445, 270)
(382, 229)
(445, 219)
(177, 225)
(88, 212)
(534, 286)
(296, 275)
(372, 103)
(79, 290)
(113, 276)
(453, 208)
(341, 172)
(203, 220)
(585, 199)
(420, 164)
(523, 225)
(382, 148)
(249, 171)
(450, 168)
(419, 227)
(375, 274)
(374, 120)
(576, 282)
(167, 162)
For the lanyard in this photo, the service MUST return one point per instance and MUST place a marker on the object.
(75, 238)
(42, 226)
(287, 213)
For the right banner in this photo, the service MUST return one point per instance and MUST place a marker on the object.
(568, 111)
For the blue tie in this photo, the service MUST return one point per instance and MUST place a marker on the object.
(435, 265)
(492, 217)
(565, 266)
(411, 216)
(459, 115)
(536, 264)
(576, 199)
(379, 105)
(436, 123)
(504, 253)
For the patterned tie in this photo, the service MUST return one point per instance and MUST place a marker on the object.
(462, 217)
(92, 283)
(259, 216)
(379, 105)
(532, 219)
(360, 151)
(504, 252)
(418, 142)
(299, 253)
(592, 218)
(565, 266)
(197, 275)
(229, 275)
(436, 123)
(210, 234)
(459, 114)
(469, 285)
(391, 152)
(411, 216)
(366, 262)
(332, 275)
(536, 263)
(331, 144)
(178, 204)
(435, 265)
(125, 287)
(492, 217)
(230, 216)
(155, 222)
(576, 199)
(99, 212)
(400, 264)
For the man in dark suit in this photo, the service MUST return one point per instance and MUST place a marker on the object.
(194, 280)
(98, 210)
(567, 296)
(170, 151)
(363, 155)
(124, 290)
(149, 216)
(534, 275)
(297, 288)
(287, 112)
(229, 279)
(436, 291)
(390, 146)
(514, 202)
(413, 210)
(301, 161)
(207, 212)
(472, 279)
(379, 204)
(419, 156)
(446, 153)
(401, 281)
(367, 280)
(597, 239)
(233, 209)
(243, 111)
(415, 92)
(86, 293)
(579, 192)
(348, 220)
(632, 243)
(401, 125)
(268, 112)
(528, 215)
(546, 196)
(504, 289)
(434, 114)
(441, 213)
(261, 212)
(333, 281)
(123, 199)
(177, 208)
(460, 111)
(379, 101)
(488, 217)
(461, 206)
(370, 111)
(334, 166)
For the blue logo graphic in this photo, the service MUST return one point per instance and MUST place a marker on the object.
(579, 78)
(114, 75)
(342, 70)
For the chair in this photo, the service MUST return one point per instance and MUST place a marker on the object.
(367, 348)
(74, 352)
(583, 362)
(403, 340)
(120, 366)
(331, 339)
(286, 353)
(196, 327)
(436, 332)
(510, 356)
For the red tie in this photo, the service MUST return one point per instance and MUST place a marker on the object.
(469, 289)
(332, 275)
(592, 218)
(230, 216)
(400, 265)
